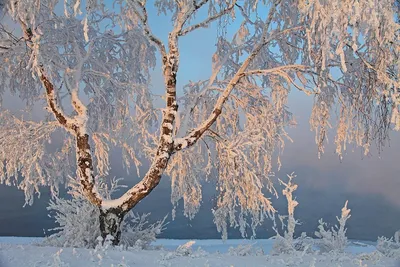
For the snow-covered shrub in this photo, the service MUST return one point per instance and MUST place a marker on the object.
(79, 224)
(389, 247)
(283, 245)
(241, 250)
(185, 249)
(245, 250)
(78, 221)
(287, 243)
(373, 257)
(138, 233)
(333, 239)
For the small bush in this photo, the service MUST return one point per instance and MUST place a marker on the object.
(138, 232)
(79, 224)
(245, 250)
(390, 247)
(333, 239)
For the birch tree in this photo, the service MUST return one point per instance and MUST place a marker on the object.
(92, 67)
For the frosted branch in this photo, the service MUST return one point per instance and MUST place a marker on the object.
(206, 23)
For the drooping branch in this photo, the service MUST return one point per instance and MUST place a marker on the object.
(29, 158)
(382, 74)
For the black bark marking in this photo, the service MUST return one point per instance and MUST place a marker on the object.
(110, 223)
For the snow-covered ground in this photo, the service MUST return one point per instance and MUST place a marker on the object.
(22, 252)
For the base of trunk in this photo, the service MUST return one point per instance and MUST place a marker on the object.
(110, 224)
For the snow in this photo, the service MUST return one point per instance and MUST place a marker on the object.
(168, 125)
(22, 251)
(112, 203)
(86, 29)
(167, 139)
(181, 141)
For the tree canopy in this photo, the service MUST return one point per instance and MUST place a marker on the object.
(91, 60)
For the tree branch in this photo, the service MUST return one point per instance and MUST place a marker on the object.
(206, 22)
(280, 71)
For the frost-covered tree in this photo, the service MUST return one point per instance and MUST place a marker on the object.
(90, 60)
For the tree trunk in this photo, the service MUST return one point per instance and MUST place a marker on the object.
(110, 224)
